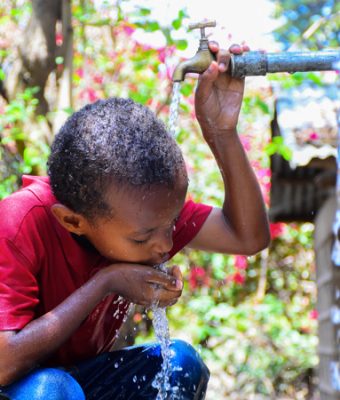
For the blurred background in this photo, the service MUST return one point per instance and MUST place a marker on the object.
(253, 319)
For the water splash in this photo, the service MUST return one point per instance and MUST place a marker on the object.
(162, 379)
(161, 327)
(174, 108)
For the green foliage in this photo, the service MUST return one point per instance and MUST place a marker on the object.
(277, 146)
(20, 152)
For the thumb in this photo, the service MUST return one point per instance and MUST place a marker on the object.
(206, 81)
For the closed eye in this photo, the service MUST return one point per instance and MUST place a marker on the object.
(140, 241)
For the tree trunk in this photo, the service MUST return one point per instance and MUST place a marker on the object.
(35, 53)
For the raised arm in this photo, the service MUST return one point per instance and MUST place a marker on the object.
(241, 226)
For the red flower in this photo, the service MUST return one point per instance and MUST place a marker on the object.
(198, 277)
(238, 278)
(276, 229)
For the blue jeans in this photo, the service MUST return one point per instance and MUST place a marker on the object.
(125, 374)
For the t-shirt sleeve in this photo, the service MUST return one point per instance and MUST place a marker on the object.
(190, 221)
(18, 288)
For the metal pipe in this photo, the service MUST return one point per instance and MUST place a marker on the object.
(255, 63)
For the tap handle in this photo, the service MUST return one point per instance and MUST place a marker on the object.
(202, 25)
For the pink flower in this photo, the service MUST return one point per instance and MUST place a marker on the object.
(127, 28)
(59, 38)
(313, 136)
(314, 314)
(98, 79)
(162, 54)
(89, 94)
(241, 262)
(79, 72)
(92, 94)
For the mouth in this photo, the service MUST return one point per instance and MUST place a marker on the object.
(158, 263)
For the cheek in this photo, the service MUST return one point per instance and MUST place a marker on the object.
(124, 251)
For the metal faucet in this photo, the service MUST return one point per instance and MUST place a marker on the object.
(203, 57)
(254, 63)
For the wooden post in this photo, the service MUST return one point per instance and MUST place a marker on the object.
(328, 305)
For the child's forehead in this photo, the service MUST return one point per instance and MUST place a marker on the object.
(141, 204)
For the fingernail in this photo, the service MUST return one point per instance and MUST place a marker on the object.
(222, 67)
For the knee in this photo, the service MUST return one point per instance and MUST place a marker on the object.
(186, 361)
(47, 383)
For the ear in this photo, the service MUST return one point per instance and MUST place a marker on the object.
(73, 222)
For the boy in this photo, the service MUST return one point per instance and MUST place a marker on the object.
(78, 247)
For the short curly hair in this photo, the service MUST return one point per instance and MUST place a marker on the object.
(113, 141)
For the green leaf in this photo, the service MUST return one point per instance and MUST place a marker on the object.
(286, 152)
(181, 44)
(144, 11)
(176, 24)
(182, 14)
(186, 89)
(148, 26)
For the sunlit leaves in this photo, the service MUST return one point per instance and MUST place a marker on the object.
(277, 145)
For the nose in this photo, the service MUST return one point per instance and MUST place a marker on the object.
(163, 243)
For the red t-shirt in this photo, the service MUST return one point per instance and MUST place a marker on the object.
(41, 264)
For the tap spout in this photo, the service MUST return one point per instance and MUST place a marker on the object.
(197, 64)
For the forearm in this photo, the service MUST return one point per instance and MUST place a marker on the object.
(23, 350)
(243, 206)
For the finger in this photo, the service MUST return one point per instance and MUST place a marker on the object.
(213, 46)
(166, 298)
(165, 281)
(245, 47)
(236, 49)
(223, 59)
(176, 272)
(206, 81)
(168, 304)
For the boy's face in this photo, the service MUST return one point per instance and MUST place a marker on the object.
(142, 225)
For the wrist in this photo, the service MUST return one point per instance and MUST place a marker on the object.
(215, 132)
(103, 280)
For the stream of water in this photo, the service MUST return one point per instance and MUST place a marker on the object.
(174, 108)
